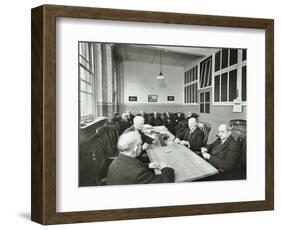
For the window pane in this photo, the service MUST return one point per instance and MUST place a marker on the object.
(184, 77)
(232, 85)
(233, 56)
(217, 88)
(244, 83)
(224, 58)
(196, 73)
(202, 74)
(207, 74)
(196, 85)
(201, 97)
(224, 87)
(187, 99)
(201, 108)
(244, 55)
(210, 74)
(207, 96)
(85, 104)
(184, 94)
(85, 87)
(193, 74)
(217, 61)
(190, 94)
(207, 108)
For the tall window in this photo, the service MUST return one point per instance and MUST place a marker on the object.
(191, 84)
(86, 76)
(230, 75)
(206, 73)
(205, 101)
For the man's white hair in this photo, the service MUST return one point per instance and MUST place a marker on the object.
(128, 141)
(192, 119)
(138, 119)
(124, 115)
(226, 126)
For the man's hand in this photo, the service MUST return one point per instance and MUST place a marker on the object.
(154, 165)
(185, 143)
(203, 150)
(177, 140)
(206, 155)
(145, 146)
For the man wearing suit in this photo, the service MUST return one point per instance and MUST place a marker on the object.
(224, 153)
(193, 136)
(146, 140)
(155, 119)
(130, 116)
(127, 169)
(124, 123)
(145, 117)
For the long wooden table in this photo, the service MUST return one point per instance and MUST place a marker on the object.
(188, 165)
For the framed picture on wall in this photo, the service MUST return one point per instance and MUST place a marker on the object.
(82, 79)
(152, 98)
(133, 98)
(170, 98)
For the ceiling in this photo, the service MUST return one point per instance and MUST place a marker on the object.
(170, 55)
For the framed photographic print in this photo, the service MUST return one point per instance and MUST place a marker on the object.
(86, 150)
(170, 98)
(133, 98)
(152, 98)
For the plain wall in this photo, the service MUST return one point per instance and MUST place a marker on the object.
(140, 80)
(15, 115)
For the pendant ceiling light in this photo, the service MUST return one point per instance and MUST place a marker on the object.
(160, 76)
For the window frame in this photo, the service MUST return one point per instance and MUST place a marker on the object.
(194, 82)
(238, 66)
(89, 118)
(211, 69)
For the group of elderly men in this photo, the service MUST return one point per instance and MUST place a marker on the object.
(173, 121)
(132, 165)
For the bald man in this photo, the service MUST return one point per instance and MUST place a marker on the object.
(224, 153)
(127, 169)
(193, 136)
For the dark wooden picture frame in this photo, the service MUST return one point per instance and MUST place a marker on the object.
(170, 98)
(152, 98)
(133, 98)
(43, 189)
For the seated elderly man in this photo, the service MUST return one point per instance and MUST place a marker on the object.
(155, 119)
(138, 126)
(124, 123)
(146, 140)
(193, 136)
(224, 153)
(130, 116)
(127, 169)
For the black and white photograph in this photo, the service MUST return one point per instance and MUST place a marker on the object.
(196, 135)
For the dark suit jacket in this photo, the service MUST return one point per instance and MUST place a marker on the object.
(155, 121)
(195, 139)
(128, 170)
(124, 125)
(224, 156)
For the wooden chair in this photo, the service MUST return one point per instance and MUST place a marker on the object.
(93, 164)
(206, 128)
(240, 168)
(238, 124)
(109, 135)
